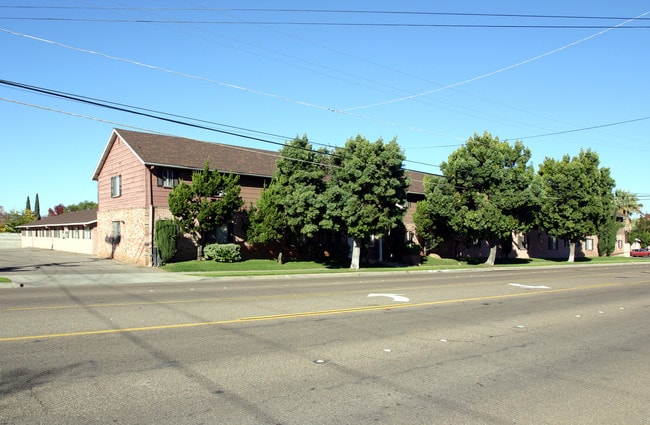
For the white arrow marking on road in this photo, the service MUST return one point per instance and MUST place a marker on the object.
(395, 297)
(529, 286)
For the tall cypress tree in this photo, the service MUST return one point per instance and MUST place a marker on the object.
(28, 204)
(37, 208)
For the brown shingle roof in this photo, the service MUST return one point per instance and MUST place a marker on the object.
(417, 181)
(155, 149)
(180, 152)
(75, 218)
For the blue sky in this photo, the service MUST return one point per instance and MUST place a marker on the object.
(291, 72)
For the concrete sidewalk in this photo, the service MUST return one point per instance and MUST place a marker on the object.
(45, 268)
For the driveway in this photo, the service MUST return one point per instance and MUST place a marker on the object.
(45, 268)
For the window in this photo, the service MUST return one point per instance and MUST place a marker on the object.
(87, 233)
(522, 241)
(552, 243)
(167, 178)
(116, 233)
(223, 233)
(589, 244)
(116, 186)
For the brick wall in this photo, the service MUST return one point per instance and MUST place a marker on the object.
(134, 243)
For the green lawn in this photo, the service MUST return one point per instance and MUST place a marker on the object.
(4, 280)
(271, 267)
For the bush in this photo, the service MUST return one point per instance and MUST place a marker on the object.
(223, 253)
(166, 236)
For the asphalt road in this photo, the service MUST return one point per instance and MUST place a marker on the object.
(526, 346)
(39, 268)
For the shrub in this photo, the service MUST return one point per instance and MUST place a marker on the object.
(166, 236)
(223, 253)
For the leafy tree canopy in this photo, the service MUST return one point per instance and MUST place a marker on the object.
(433, 215)
(366, 190)
(62, 209)
(13, 219)
(291, 207)
(641, 231)
(578, 197)
(81, 206)
(207, 203)
(488, 190)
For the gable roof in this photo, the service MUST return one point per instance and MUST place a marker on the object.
(74, 218)
(180, 152)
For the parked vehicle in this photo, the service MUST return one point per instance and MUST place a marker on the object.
(640, 253)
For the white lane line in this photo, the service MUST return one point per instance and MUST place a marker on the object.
(529, 286)
(395, 297)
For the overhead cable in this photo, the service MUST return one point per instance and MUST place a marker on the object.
(500, 70)
(575, 130)
(162, 116)
(312, 23)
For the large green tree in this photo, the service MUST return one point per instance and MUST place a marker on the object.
(207, 203)
(291, 207)
(578, 197)
(365, 191)
(488, 192)
(641, 231)
(433, 215)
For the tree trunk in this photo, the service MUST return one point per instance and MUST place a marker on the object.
(356, 255)
(281, 250)
(572, 252)
(200, 244)
(492, 255)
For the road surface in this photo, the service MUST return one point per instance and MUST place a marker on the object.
(564, 345)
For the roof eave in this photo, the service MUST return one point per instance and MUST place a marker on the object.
(180, 167)
(80, 223)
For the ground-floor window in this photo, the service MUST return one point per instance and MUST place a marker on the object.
(116, 232)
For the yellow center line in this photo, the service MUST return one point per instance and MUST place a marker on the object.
(266, 297)
(305, 314)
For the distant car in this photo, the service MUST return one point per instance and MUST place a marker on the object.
(640, 253)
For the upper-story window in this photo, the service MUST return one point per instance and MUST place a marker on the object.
(167, 178)
(116, 186)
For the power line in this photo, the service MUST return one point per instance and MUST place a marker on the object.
(209, 80)
(583, 128)
(318, 11)
(162, 116)
(312, 23)
(500, 70)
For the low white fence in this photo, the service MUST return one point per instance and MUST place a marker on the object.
(9, 240)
